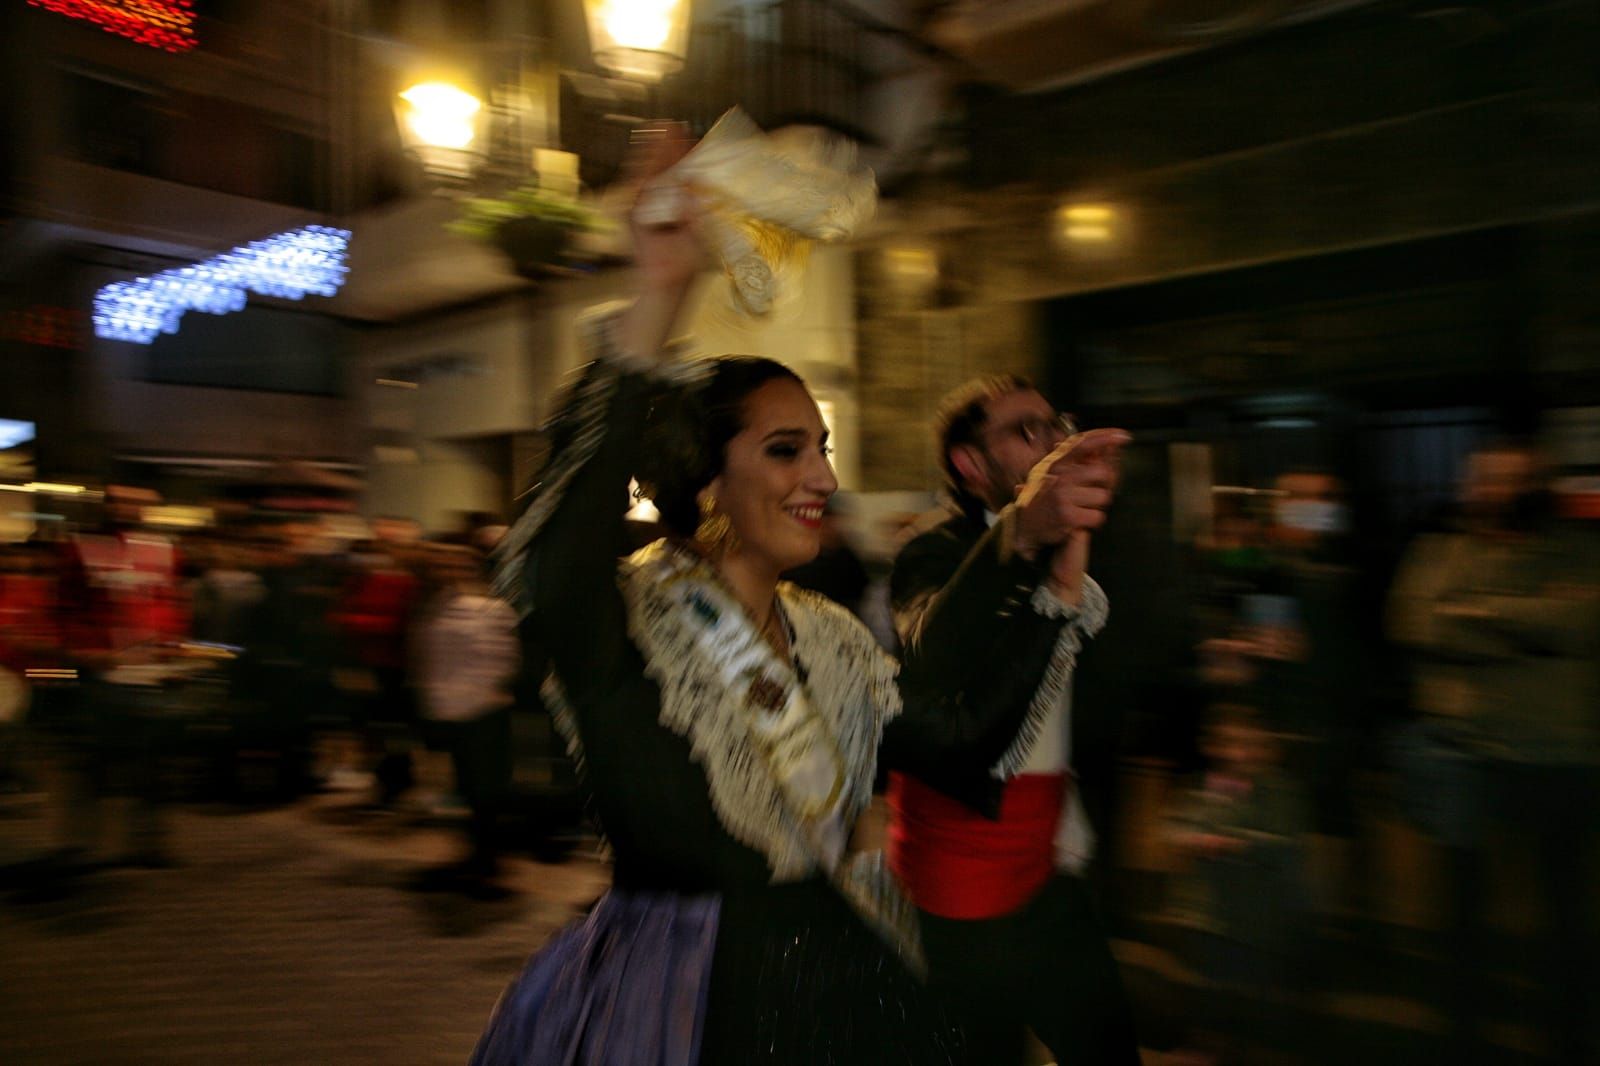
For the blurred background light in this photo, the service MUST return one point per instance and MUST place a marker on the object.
(641, 39)
(441, 115)
(14, 431)
(1080, 224)
(164, 24)
(287, 265)
(911, 270)
(1088, 214)
(174, 516)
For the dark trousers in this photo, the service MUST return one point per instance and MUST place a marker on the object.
(119, 754)
(480, 751)
(1046, 966)
(1554, 808)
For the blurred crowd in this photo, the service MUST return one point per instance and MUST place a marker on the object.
(254, 661)
(1452, 704)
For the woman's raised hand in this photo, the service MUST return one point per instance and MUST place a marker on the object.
(664, 218)
(667, 251)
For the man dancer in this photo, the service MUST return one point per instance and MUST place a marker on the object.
(991, 853)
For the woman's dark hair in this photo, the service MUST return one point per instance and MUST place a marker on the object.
(686, 441)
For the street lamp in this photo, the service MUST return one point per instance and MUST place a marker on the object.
(640, 39)
(443, 125)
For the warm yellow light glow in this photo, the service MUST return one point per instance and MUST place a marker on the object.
(1089, 223)
(1092, 214)
(55, 487)
(1084, 234)
(441, 115)
(641, 39)
(641, 24)
(174, 516)
(912, 264)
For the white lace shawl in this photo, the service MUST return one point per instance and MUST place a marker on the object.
(710, 664)
(675, 603)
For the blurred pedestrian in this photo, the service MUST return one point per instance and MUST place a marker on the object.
(1240, 893)
(1502, 615)
(123, 600)
(293, 650)
(374, 615)
(227, 595)
(465, 656)
(1316, 659)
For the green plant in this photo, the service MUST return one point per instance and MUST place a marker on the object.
(482, 217)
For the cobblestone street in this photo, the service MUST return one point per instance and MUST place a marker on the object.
(297, 935)
(289, 935)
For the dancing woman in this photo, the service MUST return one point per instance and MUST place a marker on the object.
(728, 724)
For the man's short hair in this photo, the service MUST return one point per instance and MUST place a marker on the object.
(963, 413)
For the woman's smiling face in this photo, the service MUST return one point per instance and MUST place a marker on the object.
(777, 478)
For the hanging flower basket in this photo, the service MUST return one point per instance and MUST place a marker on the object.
(533, 245)
(534, 228)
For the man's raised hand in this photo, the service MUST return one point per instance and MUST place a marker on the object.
(1070, 489)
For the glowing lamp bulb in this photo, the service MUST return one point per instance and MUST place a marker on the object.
(641, 39)
(441, 115)
(642, 24)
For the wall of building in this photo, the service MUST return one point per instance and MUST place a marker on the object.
(95, 400)
(1368, 131)
(176, 154)
(119, 163)
(812, 329)
(433, 394)
(912, 354)
(451, 402)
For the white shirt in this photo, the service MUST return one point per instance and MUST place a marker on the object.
(466, 654)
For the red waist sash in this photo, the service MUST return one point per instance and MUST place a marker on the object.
(956, 863)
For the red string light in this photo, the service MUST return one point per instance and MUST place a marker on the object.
(44, 326)
(164, 24)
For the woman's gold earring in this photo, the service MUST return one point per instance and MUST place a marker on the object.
(715, 531)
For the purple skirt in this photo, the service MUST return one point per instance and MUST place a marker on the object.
(625, 986)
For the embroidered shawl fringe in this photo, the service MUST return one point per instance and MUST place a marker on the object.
(1086, 620)
(851, 682)
(851, 685)
(583, 413)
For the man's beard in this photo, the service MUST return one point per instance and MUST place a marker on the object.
(1003, 487)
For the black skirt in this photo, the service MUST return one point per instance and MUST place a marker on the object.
(797, 978)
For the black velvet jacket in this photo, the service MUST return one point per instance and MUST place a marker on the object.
(963, 598)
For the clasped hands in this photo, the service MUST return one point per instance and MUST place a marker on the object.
(1064, 498)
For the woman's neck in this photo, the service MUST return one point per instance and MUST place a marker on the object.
(753, 583)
